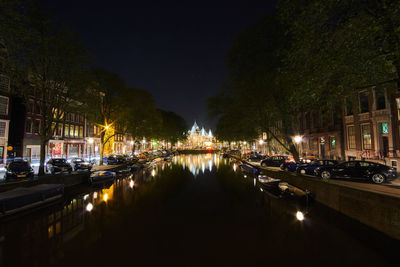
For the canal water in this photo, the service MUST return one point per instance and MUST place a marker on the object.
(197, 210)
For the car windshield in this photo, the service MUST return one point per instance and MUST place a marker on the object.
(19, 164)
(59, 160)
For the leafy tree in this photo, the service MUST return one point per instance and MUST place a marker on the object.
(337, 47)
(257, 99)
(104, 99)
(44, 62)
(141, 114)
(172, 128)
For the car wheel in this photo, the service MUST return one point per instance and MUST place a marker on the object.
(325, 175)
(378, 178)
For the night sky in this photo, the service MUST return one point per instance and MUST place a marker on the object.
(175, 51)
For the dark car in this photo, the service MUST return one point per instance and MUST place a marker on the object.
(58, 165)
(116, 160)
(255, 158)
(80, 164)
(375, 172)
(274, 161)
(130, 159)
(19, 170)
(308, 168)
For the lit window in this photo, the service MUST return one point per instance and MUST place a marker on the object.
(332, 142)
(384, 128)
(71, 130)
(66, 130)
(351, 137)
(366, 136)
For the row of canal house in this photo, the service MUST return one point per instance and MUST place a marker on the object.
(75, 136)
(365, 125)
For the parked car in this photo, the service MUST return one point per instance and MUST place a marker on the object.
(377, 173)
(58, 165)
(255, 158)
(308, 168)
(80, 164)
(18, 169)
(274, 161)
(291, 165)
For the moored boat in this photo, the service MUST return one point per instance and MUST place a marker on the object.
(250, 169)
(101, 177)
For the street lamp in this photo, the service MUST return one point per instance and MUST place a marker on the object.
(261, 141)
(90, 141)
(297, 139)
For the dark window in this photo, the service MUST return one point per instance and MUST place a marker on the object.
(364, 103)
(1, 154)
(36, 126)
(2, 128)
(311, 143)
(3, 105)
(28, 125)
(37, 108)
(349, 106)
(380, 98)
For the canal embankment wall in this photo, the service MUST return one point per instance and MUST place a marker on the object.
(68, 180)
(378, 210)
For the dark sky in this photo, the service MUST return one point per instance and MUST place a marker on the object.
(174, 50)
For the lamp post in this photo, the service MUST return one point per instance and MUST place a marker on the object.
(90, 141)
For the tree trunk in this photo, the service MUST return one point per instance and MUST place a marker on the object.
(293, 150)
(101, 148)
(43, 144)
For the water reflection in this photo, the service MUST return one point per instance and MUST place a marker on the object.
(85, 216)
(198, 164)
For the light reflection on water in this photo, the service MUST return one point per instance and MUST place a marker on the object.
(199, 163)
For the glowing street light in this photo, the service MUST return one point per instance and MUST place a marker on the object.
(261, 141)
(299, 216)
(297, 139)
(131, 143)
(90, 140)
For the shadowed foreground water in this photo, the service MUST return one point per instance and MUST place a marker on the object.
(198, 210)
